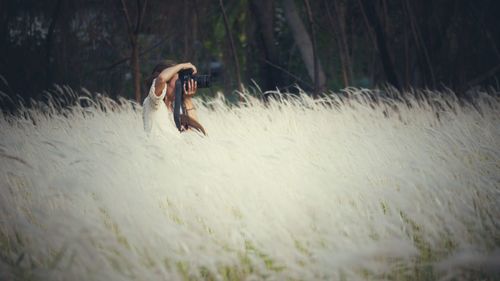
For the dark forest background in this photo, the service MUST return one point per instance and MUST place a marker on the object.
(111, 46)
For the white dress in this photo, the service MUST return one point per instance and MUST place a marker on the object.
(157, 118)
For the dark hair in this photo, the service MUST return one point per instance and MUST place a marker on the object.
(158, 69)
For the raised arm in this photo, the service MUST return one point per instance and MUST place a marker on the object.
(168, 73)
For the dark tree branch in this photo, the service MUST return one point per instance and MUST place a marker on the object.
(127, 19)
(484, 76)
(124, 60)
(141, 10)
(289, 74)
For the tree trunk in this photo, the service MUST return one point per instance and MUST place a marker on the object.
(48, 43)
(368, 8)
(233, 48)
(422, 53)
(263, 10)
(337, 23)
(304, 43)
(187, 31)
(407, 57)
(317, 88)
(133, 34)
(341, 16)
(136, 71)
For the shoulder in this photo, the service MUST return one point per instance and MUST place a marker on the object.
(152, 91)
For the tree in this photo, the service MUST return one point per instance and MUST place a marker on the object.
(368, 8)
(263, 10)
(133, 31)
(49, 42)
(233, 48)
(82, 43)
(337, 20)
(305, 45)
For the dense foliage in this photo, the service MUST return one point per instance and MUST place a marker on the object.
(108, 46)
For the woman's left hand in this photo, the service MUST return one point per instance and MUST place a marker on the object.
(190, 88)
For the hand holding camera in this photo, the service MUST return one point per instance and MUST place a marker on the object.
(190, 88)
(185, 87)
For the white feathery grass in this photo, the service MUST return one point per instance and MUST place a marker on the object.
(359, 186)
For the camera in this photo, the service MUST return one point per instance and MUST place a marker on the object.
(182, 120)
(203, 81)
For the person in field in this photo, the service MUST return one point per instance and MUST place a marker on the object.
(158, 105)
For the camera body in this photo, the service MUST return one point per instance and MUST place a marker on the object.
(203, 81)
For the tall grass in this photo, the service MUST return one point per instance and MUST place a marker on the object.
(362, 185)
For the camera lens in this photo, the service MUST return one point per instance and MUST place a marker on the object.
(203, 81)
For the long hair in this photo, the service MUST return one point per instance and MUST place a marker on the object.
(158, 69)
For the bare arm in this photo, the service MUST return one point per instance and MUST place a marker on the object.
(168, 73)
(190, 109)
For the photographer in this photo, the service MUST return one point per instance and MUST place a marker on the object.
(158, 105)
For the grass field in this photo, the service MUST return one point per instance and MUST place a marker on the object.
(362, 185)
